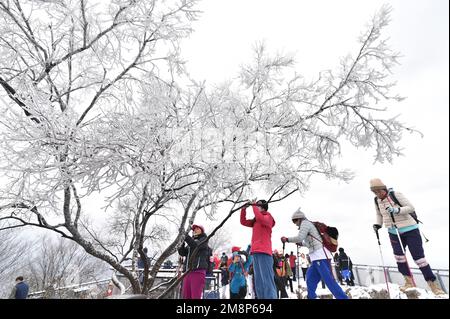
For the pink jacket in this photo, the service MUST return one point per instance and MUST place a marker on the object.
(262, 230)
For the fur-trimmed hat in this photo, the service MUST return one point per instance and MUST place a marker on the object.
(376, 184)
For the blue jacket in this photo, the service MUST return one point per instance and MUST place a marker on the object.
(237, 274)
(21, 290)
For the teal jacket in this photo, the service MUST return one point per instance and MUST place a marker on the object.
(237, 274)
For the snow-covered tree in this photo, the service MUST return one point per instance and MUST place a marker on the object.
(96, 99)
(59, 263)
(221, 242)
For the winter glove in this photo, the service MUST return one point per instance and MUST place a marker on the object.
(376, 227)
(393, 210)
(249, 203)
(284, 239)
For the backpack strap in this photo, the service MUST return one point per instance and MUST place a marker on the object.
(376, 204)
(231, 273)
(320, 241)
(242, 267)
(413, 214)
(394, 198)
(243, 271)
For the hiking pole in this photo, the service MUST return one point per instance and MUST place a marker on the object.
(426, 239)
(413, 215)
(382, 262)
(403, 248)
(400, 241)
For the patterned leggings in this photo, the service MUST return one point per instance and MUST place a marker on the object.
(413, 241)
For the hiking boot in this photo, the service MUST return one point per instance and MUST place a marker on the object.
(408, 284)
(435, 288)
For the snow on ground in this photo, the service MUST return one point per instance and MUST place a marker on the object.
(378, 291)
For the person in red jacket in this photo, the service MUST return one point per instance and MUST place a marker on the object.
(216, 261)
(261, 250)
(292, 259)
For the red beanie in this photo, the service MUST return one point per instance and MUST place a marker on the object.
(235, 248)
(198, 226)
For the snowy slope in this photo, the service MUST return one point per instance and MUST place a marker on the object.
(378, 291)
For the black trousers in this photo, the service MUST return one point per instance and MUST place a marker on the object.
(304, 272)
(289, 281)
(240, 295)
(280, 283)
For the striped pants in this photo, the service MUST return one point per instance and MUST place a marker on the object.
(413, 241)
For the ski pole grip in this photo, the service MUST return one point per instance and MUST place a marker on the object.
(378, 235)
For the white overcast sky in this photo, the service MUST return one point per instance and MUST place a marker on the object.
(320, 32)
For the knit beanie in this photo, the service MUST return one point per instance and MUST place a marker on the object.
(376, 184)
(298, 214)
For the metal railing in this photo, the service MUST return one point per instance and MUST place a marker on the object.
(365, 275)
(53, 292)
(164, 276)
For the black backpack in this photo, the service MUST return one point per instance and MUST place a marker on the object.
(391, 194)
